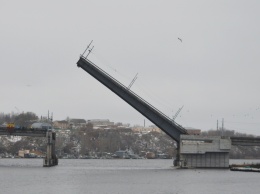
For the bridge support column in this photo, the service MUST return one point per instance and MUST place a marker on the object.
(50, 159)
(177, 161)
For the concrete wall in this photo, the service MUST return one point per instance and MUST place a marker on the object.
(207, 160)
(192, 144)
(204, 151)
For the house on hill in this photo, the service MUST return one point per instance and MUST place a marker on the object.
(61, 124)
(77, 123)
(101, 122)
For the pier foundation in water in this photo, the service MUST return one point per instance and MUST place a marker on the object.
(50, 158)
(197, 151)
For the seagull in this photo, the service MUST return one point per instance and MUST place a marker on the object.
(180, 39)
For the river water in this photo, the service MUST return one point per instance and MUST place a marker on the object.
(142, 176)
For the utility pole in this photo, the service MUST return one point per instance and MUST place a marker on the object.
(217, 125)
(222, 131)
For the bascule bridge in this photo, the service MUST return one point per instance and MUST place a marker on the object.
(192, 150)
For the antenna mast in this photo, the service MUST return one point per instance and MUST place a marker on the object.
(87, 48)
(89, 51)
(132, 82)
(176, 114)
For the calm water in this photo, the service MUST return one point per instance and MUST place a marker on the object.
(121, 176)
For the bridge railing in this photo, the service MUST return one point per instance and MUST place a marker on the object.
(245, 141)
(137, 96)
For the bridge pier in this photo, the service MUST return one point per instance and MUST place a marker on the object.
(176, 161)
(204, 151)
(50, 159)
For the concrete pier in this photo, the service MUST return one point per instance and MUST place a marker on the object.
(50, 159)
(204, 151)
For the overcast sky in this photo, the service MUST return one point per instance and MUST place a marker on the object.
(213, 72)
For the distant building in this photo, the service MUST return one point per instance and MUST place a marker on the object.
(37, 153)
(41, 125)
(125, 154)
(21, 153)
(123, 128)
(121, 154)
(77, 123)
(192, 131)
(61, 124)
(30, 154)
(101, 122)
(146, 129)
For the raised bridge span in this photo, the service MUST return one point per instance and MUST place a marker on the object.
(193, 151)
(166, 124)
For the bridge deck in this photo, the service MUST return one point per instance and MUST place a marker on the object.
(170, 127)
(245, 141)
(25, 132)
(30, 134)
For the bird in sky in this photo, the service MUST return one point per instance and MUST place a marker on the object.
(180, 39)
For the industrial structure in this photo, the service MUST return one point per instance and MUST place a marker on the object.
(192, 150)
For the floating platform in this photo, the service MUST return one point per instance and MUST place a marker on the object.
(245, 169)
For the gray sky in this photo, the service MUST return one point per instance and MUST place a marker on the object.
(214, 72)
